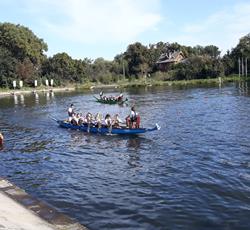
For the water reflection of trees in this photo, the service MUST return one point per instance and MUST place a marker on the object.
(243, 88)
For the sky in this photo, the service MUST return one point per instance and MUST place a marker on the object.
(105, 28)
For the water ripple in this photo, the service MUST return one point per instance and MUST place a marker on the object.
(192, 174)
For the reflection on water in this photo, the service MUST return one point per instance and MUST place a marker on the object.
(15, 99)
(79, 139)
(243, 87)
(192, 174)
(22, 99)
(134, 142)
(36, 98)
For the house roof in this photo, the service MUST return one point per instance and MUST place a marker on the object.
(169, 57)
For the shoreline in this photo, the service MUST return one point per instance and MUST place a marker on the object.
(19, 210)
(124, 84)
(33, 90)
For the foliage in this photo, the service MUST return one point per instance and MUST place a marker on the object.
(198, 67)
(22, 58)
(136, 55)
(7, 67)
(22, 42)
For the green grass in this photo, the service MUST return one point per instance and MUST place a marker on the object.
(125, 83)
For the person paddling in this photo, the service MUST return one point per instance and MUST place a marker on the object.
(116, 121)
(1, 139)
(133, 119)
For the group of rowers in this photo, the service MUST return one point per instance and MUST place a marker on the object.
(111, 98)
(132, 120)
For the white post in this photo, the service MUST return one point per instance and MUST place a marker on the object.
(51, 82)
(14, 84)
(35, 83)
(20, 84)
(47, 82)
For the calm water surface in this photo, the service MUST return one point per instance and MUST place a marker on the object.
(192, 174)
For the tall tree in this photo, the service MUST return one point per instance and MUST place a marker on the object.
(7, 67)
(22, 43)
(136, 57)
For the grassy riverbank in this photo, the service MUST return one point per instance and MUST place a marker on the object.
(124, 84)
(153, 82)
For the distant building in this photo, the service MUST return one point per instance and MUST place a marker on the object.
(166, 59)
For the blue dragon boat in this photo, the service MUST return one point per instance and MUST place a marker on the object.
(106, 130)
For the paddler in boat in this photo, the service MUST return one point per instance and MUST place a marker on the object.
(71, 112)
(98, 120)
(1, 140)
(101, 94)
(75, 119)
(119, 98)
(116, 121)
(133, 119)
(89, 117)
(108, 120)
(81, 119)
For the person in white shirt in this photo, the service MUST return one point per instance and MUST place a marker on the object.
(132, 118)
(98, 120)
(71, 112)
(108, 120)
(75, 119)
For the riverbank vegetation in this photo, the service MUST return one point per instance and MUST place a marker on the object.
(22, 57)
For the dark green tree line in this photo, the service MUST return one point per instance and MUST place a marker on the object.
(22, 57)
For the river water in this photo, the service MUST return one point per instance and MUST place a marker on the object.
(192, 174)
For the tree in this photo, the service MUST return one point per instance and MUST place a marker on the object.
(22, 43)
(61, 66)
(243, 47)
(7, 67)
(212, 51)
(198, 67)
(26, 71)
(136, 57)
(242, 50)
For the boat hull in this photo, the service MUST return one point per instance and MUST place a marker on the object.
(106, 130)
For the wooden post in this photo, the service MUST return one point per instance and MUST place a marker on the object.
(246, 65)
(239, 66)
(242, 66)
(123, 69)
